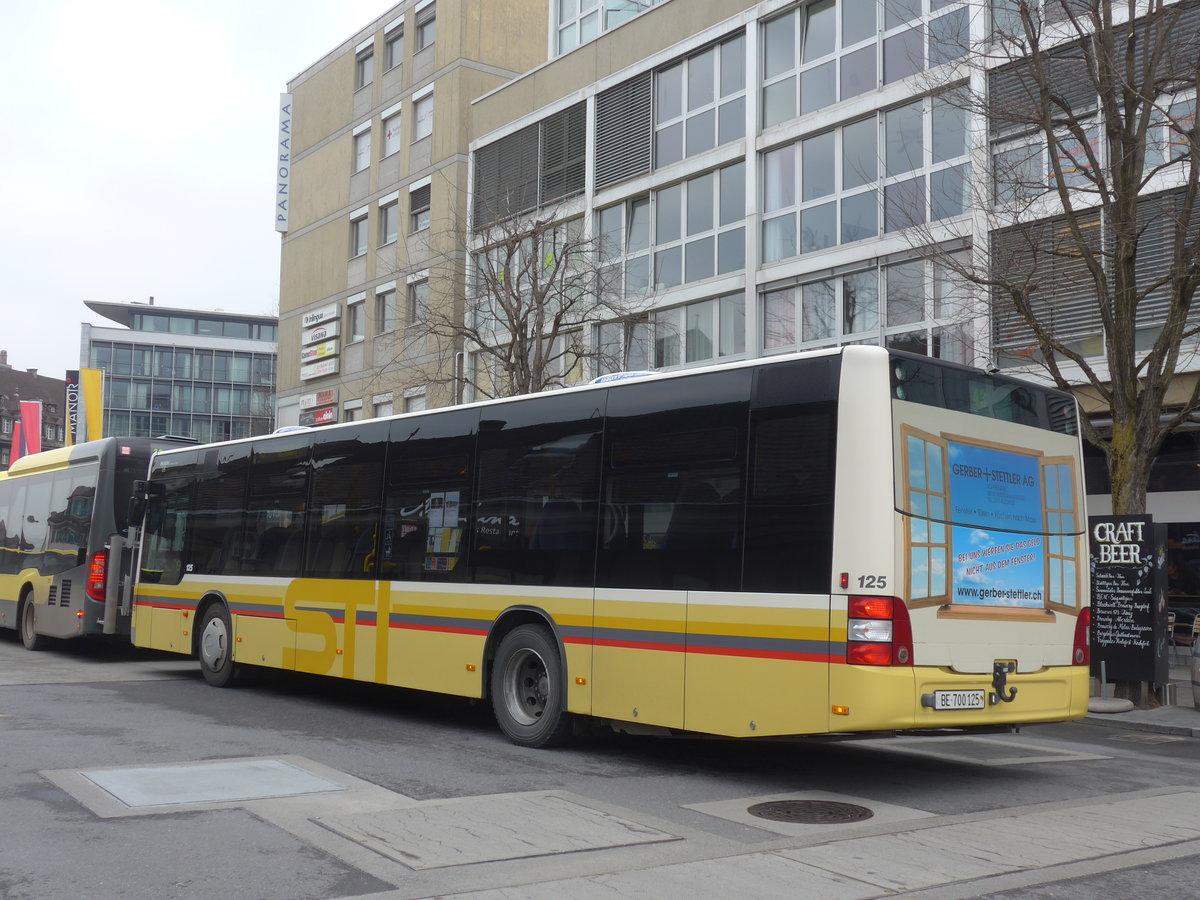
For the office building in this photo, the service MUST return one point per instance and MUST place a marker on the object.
(373, 238)
(208, 375)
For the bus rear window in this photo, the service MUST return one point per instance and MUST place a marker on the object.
(920, 379)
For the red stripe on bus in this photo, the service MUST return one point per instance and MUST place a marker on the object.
(444, 629)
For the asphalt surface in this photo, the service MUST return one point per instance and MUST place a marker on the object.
(125, 776)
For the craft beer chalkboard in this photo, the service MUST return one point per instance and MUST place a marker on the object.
(1129, 598)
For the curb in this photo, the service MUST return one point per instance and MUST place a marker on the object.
(1117, 721)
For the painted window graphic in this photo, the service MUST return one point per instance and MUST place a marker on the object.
(989, 526)
(928, 535)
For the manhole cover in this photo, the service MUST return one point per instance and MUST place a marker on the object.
(810, 812)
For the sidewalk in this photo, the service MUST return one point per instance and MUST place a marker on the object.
(1181, 718)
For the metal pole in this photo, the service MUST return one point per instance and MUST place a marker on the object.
(112, 587)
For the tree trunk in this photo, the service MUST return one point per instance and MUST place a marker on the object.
(1129, 469)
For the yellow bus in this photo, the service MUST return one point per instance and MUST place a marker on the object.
(62, 518)
(842, 541)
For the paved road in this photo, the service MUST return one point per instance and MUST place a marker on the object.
(125, 776)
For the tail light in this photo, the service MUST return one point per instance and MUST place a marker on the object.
(97, 577)
(878, 632)
(1081, 653)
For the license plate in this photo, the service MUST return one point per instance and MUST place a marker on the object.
(958, 700)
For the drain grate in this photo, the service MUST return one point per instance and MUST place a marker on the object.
(810, 812)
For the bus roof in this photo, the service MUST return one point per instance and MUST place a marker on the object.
(573, 389)
(61, 457)
(852, 350)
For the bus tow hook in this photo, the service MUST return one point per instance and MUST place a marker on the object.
(1002, 694)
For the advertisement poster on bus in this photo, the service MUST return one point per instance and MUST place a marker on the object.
(999, 558)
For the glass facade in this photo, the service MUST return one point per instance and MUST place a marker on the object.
(203, 392)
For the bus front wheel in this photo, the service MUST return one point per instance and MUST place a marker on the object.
(527, 688)
(215, 647)
(29, 636)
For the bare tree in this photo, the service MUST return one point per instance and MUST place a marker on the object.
(533, 285)
(1093, 257)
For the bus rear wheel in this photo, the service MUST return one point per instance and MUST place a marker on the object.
(215, 647)
(527, 688)
(29, 636)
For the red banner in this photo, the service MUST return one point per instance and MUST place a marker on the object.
(31, 426)
(27, 432)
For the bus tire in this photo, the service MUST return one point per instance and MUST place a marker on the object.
(214, 647)
(29, 636)
(527, 688)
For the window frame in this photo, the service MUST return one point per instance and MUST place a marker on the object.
(422, 117)
(426, 27)
(364, 68)
(385, 310)
(389, 126)
(389, 222)
(356, 320)
(418, 300)
(393, 47)
(362, 151)
(359, 236)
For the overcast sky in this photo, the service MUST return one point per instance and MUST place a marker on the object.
(136, 156)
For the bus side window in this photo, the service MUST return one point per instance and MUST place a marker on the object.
(427, 498)
(343, 508)
(539, 484)
(674, 484)
(214, 545)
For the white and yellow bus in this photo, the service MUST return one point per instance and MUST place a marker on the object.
(62, 513)
(851, 540)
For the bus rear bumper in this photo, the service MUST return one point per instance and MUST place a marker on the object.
(897, 699)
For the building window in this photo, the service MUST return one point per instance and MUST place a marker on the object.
(1174, 120)
(356, 329)
(700, 103)
(391, 135)
(380, 410)
(915, 305)
(418, 206)
(414, 401)
(385, 311)
(812, 57)
(622, 346)
(426, 26)
(364, 67)
(700, 331)
(352, 413)
(362, 150)
(393, 47)
(827, 188)
(579, 21)
(358, 236)
(423, 117)
(389, 220)
(692, 231)
(418, 302)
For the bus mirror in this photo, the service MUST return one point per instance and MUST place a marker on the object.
(137, 509)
